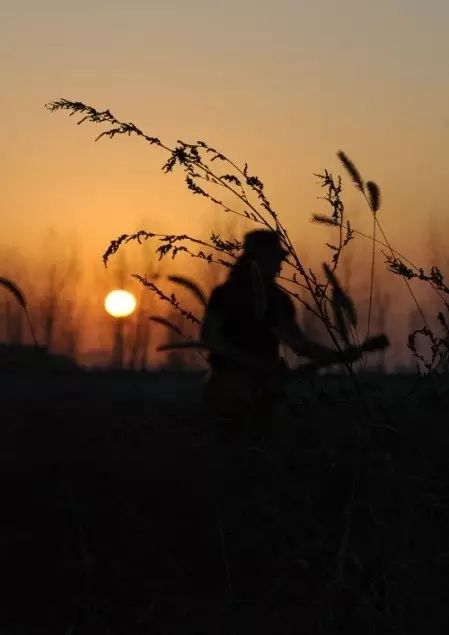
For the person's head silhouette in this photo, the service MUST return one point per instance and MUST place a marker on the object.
(264, 246)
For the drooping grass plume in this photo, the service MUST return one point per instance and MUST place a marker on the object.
(192, 286)
(352, 170)
(15, 291)
(21, 299)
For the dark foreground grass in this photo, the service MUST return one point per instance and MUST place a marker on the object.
(125, 510)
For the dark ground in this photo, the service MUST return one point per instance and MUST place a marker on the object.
(124, 510)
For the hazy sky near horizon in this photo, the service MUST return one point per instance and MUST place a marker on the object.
(282, 85)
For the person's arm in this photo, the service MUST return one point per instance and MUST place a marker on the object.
(289, 332)
(303, 346)
(300, 344)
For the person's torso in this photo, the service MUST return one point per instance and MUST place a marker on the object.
(244, 325)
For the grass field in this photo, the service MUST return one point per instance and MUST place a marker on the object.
(127, 510)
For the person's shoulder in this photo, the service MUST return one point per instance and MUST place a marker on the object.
(219, 295)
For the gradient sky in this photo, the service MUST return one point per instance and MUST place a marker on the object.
(282, 85)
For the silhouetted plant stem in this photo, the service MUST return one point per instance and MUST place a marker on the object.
(407, 284)
(371, 287)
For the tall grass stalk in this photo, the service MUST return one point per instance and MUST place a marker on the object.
(371, 286)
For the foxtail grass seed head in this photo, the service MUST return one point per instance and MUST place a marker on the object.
(324, 220)
(373, 195)
(351, 169)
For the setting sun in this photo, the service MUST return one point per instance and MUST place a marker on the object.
(120, 303)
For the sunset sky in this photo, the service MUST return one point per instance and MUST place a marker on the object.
(282, 85)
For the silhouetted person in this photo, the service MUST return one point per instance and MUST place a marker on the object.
(246, 319)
